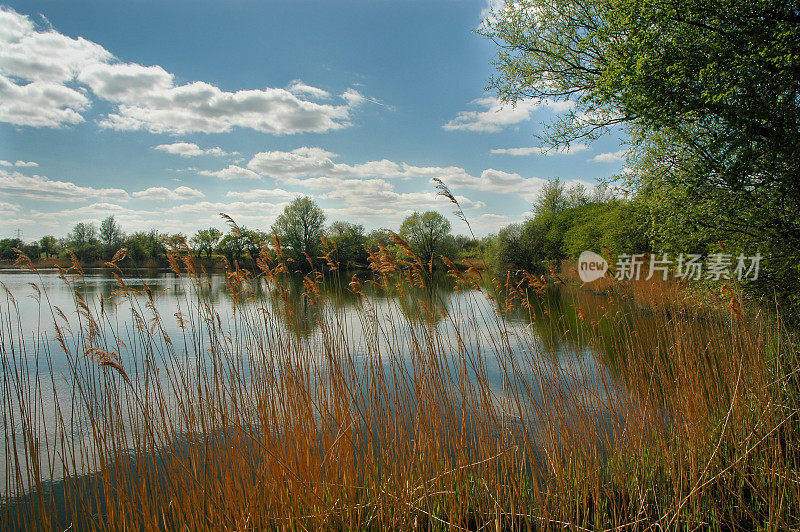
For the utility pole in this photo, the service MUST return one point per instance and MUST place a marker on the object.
(19, 234)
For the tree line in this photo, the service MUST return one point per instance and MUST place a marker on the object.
(300, 232)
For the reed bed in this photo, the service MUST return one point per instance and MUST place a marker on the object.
(581, 411)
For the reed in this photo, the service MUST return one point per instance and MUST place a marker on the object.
(629, 410)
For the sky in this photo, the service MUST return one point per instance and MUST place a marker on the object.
(164, 114)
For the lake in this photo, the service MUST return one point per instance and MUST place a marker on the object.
(158, 327)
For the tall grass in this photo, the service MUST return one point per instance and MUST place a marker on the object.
(630, 410)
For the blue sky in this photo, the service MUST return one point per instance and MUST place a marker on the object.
(166, 113)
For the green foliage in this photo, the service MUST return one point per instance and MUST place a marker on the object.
(349, 242)
(110, 232)
(205, 241)
(567, 222)
(300, 230)
(708, 91)
(7, 246)
(48, 246)
(144, 245)
(84, 243)
(428, 234)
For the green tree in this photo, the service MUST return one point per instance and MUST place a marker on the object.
(349, 242)
(300, 230)
(205, 241)
(146, 245)
(49, 246)
(7, 246)
(708, 91)
(84, 243)
(110, 232)
(428, 234)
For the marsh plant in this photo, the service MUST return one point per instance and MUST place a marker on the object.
(635, 405)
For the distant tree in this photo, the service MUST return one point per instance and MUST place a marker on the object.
(232, 246)
(144, 245)
(300, 229)
(349, 242)
(110, 232)
(551, 199)
(7, 246)
(83, 233)
(49, 246)
(205, 241)
(428, 234)
(83, 241)
(516, 247)
(32, 250)
(378, 237)
(252, 241)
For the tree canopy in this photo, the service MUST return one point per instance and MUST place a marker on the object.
(708, 92)
(300, 229)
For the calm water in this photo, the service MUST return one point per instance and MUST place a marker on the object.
(35, 358)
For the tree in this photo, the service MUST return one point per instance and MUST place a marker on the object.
(428, 234)
(349, 242)
(232, 246)
(707, 89)
(7, 246)
(110, 232)
(83, 241)
(205, 241)
(83, 233)
(49, 246)
(300, 230)
(143, 245)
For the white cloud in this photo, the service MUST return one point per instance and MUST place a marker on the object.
(231, 172)
(40, 104)
(298, 87)
(489, 223)
(39, 71)
(125, 82)
(201, 107)
(541, 150)
(609, 157)
(378, 193)
(8, 207)
(495, 115)
(306, 161)
(41, 188)
(262, 194)
(163, 194)
(19, 164)
(190, 149)
(43, 56)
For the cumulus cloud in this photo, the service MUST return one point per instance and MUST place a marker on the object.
(41, 188)
(40, 104)
(190, 149)
(542, 150)
(493, 115)
(609, 157)
(231, 172)
(201, 107)
(311, 161)
(39, 71)
(19, 164)
(163, 194)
